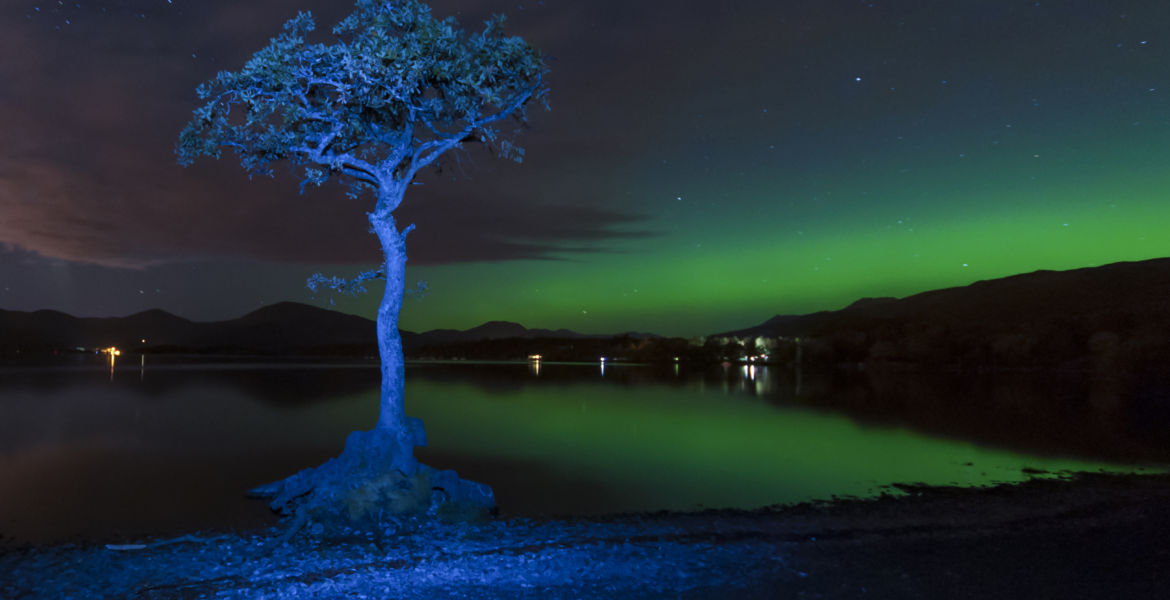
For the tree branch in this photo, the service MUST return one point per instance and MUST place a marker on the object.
(399, 144)
(346, 163)
(427, 153)
(351, 287)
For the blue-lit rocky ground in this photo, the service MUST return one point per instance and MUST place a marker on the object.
(1095, 536)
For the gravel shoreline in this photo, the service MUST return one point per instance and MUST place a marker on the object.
(1086, 536)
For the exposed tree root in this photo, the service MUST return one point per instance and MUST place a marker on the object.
(375, 481)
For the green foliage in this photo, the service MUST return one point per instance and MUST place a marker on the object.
(395, 90)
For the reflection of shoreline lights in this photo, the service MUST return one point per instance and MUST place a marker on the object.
(754, 378)
(534, 364)
(113, 353)
(603, 366)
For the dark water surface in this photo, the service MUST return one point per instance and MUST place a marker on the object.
(171, 446)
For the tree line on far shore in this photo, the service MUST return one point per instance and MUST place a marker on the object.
(1053, 344)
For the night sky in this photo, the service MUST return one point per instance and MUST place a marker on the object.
(705, 165)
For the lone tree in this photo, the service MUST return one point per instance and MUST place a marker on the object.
(395, 92)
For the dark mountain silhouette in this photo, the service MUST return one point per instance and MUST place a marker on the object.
(282, 328)
(1033, 319)
(498, 330)
(489, 330)
(1092, 294)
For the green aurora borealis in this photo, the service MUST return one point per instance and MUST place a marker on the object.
(978, 217)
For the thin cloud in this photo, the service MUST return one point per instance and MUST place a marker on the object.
(95, 106)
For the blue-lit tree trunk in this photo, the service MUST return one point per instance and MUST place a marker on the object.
(397, 91)
(402, 434)
(391, 414)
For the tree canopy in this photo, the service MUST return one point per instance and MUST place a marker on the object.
(395, 90)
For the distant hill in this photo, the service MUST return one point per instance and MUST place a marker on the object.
(1046, 316)
(498, 330)
(1092, 294)
(282, 328)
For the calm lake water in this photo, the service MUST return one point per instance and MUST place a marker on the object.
(169, 447)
